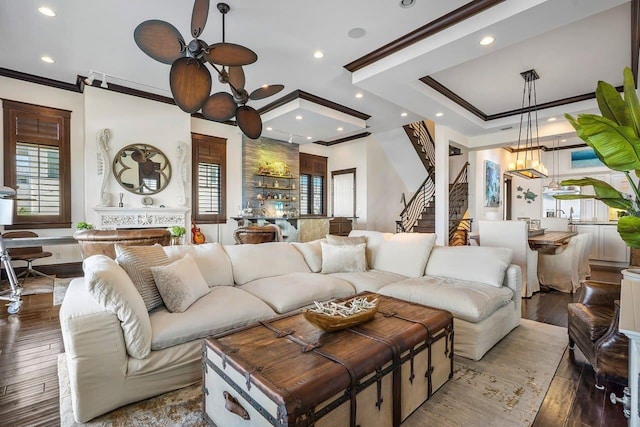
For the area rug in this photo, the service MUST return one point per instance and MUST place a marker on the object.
(44, 285)
(505, 388)
(60, 289)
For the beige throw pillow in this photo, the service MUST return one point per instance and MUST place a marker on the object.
(344, 240)
(180, 283)
(343, 258)
(312, 253)
(137, 261)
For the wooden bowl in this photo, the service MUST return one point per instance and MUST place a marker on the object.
(330, 323)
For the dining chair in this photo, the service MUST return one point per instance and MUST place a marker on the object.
(560, 270)
(584, 268)
(513, 235)
(554, 224)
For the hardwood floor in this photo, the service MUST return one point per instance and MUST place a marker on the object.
(572, 399)
(31, 341)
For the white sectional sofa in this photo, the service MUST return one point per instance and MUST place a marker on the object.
(118, 353)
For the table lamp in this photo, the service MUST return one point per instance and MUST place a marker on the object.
(6, 218)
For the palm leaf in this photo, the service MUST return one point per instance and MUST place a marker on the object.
(631, 99)
(629, 230)
(612, 106)
(617, 147)
(603, 192)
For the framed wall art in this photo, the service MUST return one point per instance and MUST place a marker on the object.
(491, 184)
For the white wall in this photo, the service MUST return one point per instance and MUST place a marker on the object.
(521, 207)
(477, 210)
(132, 120)
(16, 90)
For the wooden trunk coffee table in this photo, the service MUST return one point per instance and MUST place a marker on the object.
(285, 372)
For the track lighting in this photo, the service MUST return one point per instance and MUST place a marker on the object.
(104, 84)
(90, 78)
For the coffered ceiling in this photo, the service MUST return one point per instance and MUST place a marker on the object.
(571, 44)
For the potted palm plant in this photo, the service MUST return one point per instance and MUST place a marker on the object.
(615, 139)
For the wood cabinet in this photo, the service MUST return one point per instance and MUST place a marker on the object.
(606, 245)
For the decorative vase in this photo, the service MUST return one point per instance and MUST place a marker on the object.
(177, 240)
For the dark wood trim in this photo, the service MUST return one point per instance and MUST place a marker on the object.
(32, 78)
(226, 122)
(440, 88)
(315, 99)
(341, 140)
(129, 91)
(635, 38)
(314, 165)
(69, 269)
(442, 23)
(333, 196)
(35, 108)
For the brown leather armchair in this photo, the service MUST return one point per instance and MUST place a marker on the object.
(254, 234)
(593, 326)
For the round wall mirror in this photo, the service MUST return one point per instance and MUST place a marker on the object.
(142, 169)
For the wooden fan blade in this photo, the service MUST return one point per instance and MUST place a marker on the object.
(249, 121)
(190, 84)
(230, 54)
(160, 40)
(265, 91)
(236, 77)
(219, 107)
(199, 17)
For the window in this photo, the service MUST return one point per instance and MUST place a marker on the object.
(209, 179)
(37, 164)
(344, 193)
(313, 189)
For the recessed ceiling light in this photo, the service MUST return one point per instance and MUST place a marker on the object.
(356, 33)
(403, 114)
(318, 54)
(340, 129)
(407, 3)
(563, 140)
(308, 137)
(298, 117)
(439, 114)
(46, 11)
(487, 40)
(269, 128)
(552, 119)
(359, 95)
(47, 59)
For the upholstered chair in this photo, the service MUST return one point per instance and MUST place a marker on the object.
(513, 235)
(254, 234)
(560, 270)
(593, 327)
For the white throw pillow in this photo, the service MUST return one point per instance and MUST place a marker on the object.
(405, 253)
(213, 262)
(480, 264)
(180, 283)
(374, 240)
(345, 240)
(112, 288)
(312, 253)
(343, 258)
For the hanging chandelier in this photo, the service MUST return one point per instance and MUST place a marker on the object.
(528, 162)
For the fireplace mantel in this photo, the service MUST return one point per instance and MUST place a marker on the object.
(113, 218)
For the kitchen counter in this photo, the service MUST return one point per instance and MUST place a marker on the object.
(593, 223)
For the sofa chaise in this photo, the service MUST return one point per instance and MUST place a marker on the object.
(118, 352)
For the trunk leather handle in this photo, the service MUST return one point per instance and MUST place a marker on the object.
(233, 406)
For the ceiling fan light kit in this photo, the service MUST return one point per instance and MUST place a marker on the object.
(190, 79)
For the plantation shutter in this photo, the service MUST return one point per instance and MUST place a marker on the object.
(209, 178)
(37, 158)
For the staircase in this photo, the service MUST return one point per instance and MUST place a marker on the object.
(419, 213)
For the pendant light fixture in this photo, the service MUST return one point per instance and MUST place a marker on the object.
(528, 162)
(554, 185)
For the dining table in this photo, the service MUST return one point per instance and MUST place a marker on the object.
(550, 239)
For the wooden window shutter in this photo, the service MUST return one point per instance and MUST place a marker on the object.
(209, 179)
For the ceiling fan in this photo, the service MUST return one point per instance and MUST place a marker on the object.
(189, 78)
